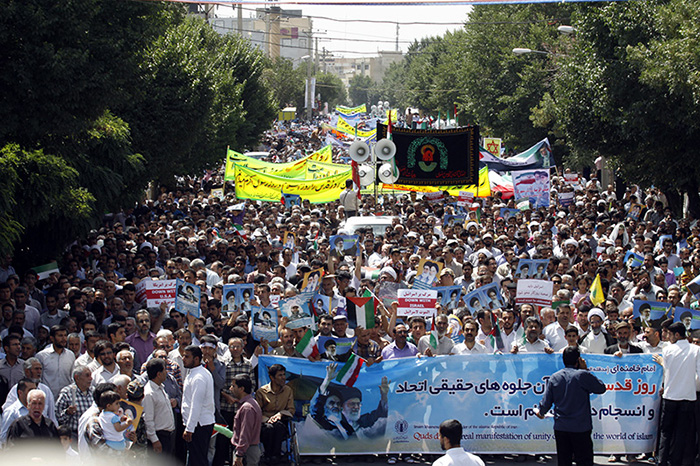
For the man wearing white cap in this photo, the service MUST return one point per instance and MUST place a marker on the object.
(595, 340)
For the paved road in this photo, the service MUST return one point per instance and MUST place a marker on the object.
(490, 460)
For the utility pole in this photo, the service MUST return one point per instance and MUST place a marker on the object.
(240, 19)
(397, 37)
(309, 66)
(275, 32)
(316, 55)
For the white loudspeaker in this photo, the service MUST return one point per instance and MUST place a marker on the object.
(388, 173)
(386, 104)
(366, 173)
(385, 149)
(359, 151)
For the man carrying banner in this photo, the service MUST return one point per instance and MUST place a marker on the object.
(569, 391)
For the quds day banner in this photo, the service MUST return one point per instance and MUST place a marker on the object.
(493, 396)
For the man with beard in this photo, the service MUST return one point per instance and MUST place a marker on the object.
(470, 345)
(363, 425)
(555, 332)
(450, 435)
(623, 346)
(108, 369)
(57, 361)
(595, 340)
(326, 405)
(532, 342)
(509, 334)
(276, 400)
(445, 345)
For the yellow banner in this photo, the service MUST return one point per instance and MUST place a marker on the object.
(483, 190)
(351, 110)
(252, 184)
(493, 145)
(317, 170)
(296, 169)
(345, 127)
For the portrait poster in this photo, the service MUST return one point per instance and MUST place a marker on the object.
(264, 324)
(187, 298)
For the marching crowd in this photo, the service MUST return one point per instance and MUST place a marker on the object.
(77, 343)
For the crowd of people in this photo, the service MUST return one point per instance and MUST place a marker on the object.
(80, 352)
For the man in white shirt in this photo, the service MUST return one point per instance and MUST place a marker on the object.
(555, 333)
(470, 345)
(681, 363)
(532, 342)
(157, 408)
(595, 340)
(509, 334)
(108, 368)
(197, 407)
(445, 345)
(450, 435)
(652, 341)
(57, 360)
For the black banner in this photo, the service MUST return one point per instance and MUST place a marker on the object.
(435, 157)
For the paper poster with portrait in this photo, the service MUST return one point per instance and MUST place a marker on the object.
(321, 304)
(427, 274)
(388, 292)
(474, 301)
(449, 296)
(337, 346)
(523, 269)
(312, 281)
(291, 200)
(296, 310)
(187, 298)
(264, 323)
(532, 185)
(454, 328)
(538, 269)
(632, 259)
(344, 245)
(289, 240)
(491, 297)
(689, 317)
(450, 220)
(650, 313)
(635, 211)
(132, 411)
(228, 298)
(244, 297)
(507, 213)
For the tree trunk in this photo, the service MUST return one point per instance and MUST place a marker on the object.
(691, 188)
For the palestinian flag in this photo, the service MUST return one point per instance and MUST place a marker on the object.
(44, 271)
(349, 372)
(434, 337)
(361, 312)
(307, 345)
(315, 245)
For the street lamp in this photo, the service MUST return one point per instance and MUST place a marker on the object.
(523, 51)
(566, 29)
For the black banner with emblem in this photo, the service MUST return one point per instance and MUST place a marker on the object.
(435, 157)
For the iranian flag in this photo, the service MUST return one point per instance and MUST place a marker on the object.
(361, 312)
(349, 372)
(44, 271)
(307, 345)
(239, 230)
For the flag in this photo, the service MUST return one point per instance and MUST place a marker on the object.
(316, 240)
(307, 345)
(349, 372)
(361, 311)
(44, 271)
(434, 337)
(597, 296)
(239, 230)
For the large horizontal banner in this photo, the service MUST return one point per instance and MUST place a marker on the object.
(316, 170)
(296, 169)
(537, 156)
(483, 189)
(351, 110)
(345, 127)
(493, 396)
(252, 184)
(445, 157)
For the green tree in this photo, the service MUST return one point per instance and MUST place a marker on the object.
(626, 91)
(498, 89)
(287, 83)
(200, 92)
(331, 89)
(360, 89)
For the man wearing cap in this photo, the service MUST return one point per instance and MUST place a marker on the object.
(340, 327)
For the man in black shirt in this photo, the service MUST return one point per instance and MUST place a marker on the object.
(33, 426)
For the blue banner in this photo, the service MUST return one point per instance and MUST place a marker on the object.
(493, 396)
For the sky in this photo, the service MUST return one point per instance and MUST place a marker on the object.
(353, 39)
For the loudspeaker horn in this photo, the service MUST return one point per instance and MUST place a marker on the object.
(385, 149)
(359, 151)
(388, 173)
(366, 174)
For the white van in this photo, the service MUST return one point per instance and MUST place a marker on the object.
(378, 224)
